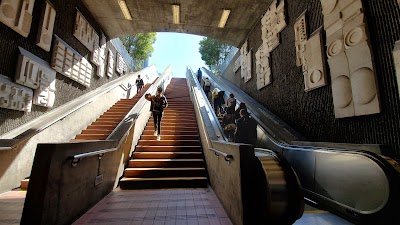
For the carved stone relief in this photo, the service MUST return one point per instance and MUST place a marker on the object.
(35, 73)
(237, 64)
(110, 69)
(14, 96)
(249, 64)
(46, 27)
(95, 58)
(243, 60)
(314, 62)
(300, 33)
(120, 64)
(84, 32)
(396, 58)
(354, 86)
(17, 14)
(101, 69)
(263, 69)
(272, 23)
(70, 63)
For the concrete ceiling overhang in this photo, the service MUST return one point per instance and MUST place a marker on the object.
(200, 17)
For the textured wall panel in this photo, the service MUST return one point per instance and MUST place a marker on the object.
(17, 14)
(66, 89)
(14, 96)
(312, 113)
(46, 27)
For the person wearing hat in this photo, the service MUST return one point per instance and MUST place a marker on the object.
(158, 104)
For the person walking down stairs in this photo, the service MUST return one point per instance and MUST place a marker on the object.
(158, 104)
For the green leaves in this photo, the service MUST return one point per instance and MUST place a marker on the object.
(139, 46)
(213, 52)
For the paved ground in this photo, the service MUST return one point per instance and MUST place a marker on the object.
(154, 207)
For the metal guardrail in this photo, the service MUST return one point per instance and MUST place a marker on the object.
(226, 156)
(100, 153)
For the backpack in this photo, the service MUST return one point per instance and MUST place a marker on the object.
(207, 83)
(158, 104)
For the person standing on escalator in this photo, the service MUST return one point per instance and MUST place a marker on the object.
(139, 85)
(158, 104)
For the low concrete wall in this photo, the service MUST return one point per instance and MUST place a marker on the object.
(16, 164)
(59, 193)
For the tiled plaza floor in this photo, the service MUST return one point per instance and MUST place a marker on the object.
(156, 207)
(11, 205)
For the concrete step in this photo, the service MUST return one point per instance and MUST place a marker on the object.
(101, 127)
(164, 172)
(24, 184)
(91, 136)
(171, 163)
(168, 182)
(93, 131)
(167, 155)
(150, 126)
(169, 142)
(101, 122)
(170, 137)
(175, 148)
(117, 119)
(170, 132)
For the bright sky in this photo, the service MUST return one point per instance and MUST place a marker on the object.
(179, 50)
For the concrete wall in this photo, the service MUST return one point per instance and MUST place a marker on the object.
(311, 113)
(66, 89)
(16, 164)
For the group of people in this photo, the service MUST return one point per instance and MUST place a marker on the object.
(237, 123)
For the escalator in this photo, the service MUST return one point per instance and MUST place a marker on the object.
(358, 185)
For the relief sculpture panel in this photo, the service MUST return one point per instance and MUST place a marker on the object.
(313, 61)
(70, 63)
(84, 32)
(17, 15)
(396, 58)
(354, 86)
(272, 23)
(15, 96)
(35, 73)
(111, 62)
(46, 27)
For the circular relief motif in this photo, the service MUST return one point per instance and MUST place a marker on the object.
(341, 90)
(328, 6)
(46, 39)
(334, 48)
(363, 84)
(8, 11)
(354, 36)
(315, 76)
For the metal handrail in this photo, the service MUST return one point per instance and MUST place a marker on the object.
(227, 157)
(98, 152)
(90, 99)
(208, 105)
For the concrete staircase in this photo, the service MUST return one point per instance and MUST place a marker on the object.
(104, 125)
(175, 161)
(109, 120)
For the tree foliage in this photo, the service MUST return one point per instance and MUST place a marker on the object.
(213, 52)
(139, 46)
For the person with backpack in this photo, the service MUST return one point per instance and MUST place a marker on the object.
(139, 84)
(242, 105)
(246, 129)
(158, 104)
(207, 86)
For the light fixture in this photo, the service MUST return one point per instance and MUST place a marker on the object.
(125, 10)
(224, 18)
(175, 13)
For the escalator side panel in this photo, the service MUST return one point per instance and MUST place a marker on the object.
(303, 162)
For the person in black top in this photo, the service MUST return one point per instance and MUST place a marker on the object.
(139, 84)
(242, 105)
(246, 129)
(199, 75)
(158, 104)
